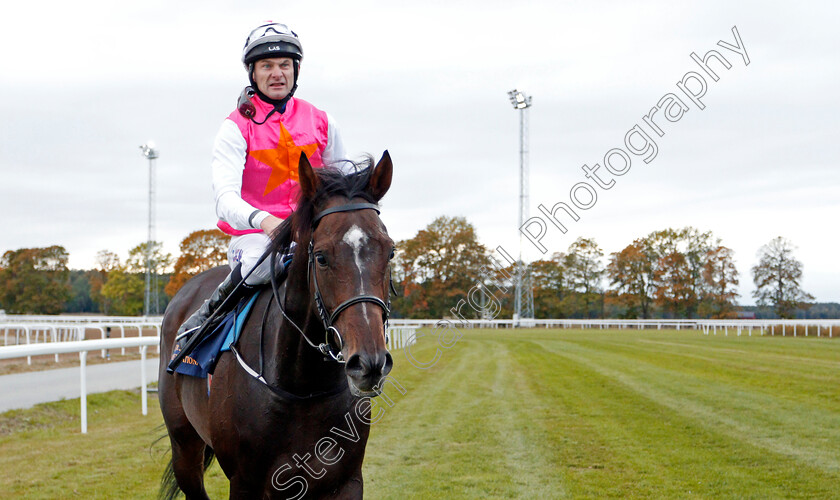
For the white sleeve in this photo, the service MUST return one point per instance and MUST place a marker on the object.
(334, 154)
(229, 154)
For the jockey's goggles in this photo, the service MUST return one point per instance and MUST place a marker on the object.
(270, 29)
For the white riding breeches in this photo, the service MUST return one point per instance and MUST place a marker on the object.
(247, 250)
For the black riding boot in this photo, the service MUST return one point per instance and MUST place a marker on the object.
(226, 289)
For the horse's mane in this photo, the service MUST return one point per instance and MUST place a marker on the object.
(333, 182)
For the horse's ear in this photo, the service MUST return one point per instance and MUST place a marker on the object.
(309, 182)
(380, 179)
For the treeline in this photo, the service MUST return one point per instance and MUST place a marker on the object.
(38, 281)
(818, 310)
(672, 273)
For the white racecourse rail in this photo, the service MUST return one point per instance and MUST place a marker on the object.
(65, 334)
(30, 328)
(82, 347)
(708, 326)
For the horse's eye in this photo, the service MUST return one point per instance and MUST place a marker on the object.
(391, 256)
(322, 261)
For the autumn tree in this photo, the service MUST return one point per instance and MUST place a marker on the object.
(696, 247)
(674, 290)
(631, 273)
(106, 261)
(34, 280)
(159, 261)
(721, 277)
(124, 292)
(583, 273)
(678, 270)
(777, 278)
(438, 266)
(200, 251)
(548, 282)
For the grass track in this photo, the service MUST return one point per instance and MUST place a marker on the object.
(528, 414)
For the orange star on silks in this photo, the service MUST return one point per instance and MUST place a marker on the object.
(283, 159)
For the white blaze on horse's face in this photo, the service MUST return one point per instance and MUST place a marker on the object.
(356, 238)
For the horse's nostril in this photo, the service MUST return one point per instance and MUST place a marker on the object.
(389, 363)
(362, 365)
(354, 365)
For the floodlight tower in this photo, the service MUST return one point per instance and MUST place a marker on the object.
(524, 301)
(150, 301)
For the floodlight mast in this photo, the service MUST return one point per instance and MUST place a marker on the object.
(524, 300)
(150, 298)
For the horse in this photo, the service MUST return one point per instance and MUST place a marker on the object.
(299, 424)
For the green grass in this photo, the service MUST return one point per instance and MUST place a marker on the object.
(528, 414)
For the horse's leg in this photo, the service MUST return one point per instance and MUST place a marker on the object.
(352, 489)
(188, 449)
(188, 453)
(177, 396)
(241, 489)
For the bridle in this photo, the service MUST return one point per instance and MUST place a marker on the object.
(333, 341)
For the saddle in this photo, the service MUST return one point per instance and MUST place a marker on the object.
(201, 357)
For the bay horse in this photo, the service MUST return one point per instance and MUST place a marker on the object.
(297, 425)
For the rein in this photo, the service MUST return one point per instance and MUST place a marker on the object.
(331, 347)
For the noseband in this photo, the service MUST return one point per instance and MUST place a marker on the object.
(333, 342)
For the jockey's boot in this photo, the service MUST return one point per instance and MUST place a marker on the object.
(227, 289)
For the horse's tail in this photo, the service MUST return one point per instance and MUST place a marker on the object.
(169, 489)
(209, 456)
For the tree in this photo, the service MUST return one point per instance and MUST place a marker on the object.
(721, 277)
(674, 285)
(159, 261)
(106, 261)
(631, 272)
(547, 279)
(81, 300)
(34, 280)
(583, 271)
(200, 251)
(696, 247)
(777, 278)
(438, 266)
(124, 292)
(679, 289)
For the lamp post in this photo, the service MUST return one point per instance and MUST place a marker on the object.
(151, 294)
(524, 301)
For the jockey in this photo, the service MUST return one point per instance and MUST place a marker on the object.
(255, 161)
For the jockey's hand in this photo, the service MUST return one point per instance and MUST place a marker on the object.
(270, 224)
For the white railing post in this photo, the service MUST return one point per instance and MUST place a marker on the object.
(102, 331)
(143, 396)
(83, 383)
(28, 358)
(54, 338)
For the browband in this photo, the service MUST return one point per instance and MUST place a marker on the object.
(344, 208)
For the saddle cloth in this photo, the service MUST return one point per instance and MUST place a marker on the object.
(202, 360)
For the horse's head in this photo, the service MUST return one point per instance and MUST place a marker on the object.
(348, 253)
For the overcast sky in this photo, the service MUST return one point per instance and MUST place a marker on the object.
(85, 83)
